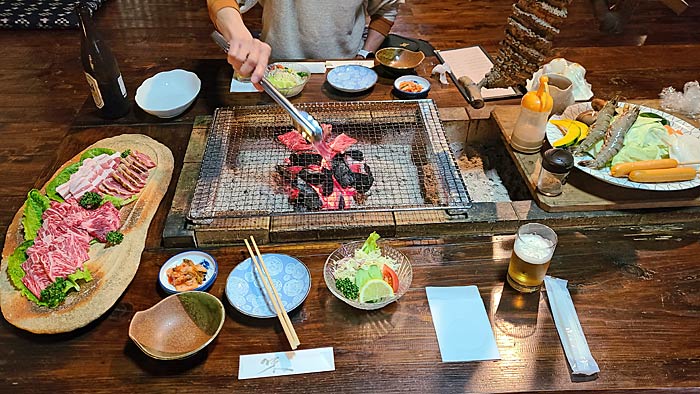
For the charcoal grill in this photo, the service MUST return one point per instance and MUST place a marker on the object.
(403, 142)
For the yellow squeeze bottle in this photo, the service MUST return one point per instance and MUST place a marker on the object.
(529, 130)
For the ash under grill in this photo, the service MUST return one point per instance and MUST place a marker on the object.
(403, 143)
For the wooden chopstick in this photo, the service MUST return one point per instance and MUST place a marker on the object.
(274, 296)
(277, 297)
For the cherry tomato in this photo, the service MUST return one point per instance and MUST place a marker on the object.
(390, 277)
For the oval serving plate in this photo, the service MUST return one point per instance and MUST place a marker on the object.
(245, 290)
(553, 134)
(352, 78)
(112, 268)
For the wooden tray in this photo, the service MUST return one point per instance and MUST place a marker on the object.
(583, 192)
(112, 268)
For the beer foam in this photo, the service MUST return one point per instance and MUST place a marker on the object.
(533, 248)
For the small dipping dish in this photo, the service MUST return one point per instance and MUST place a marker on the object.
(178, 326)
(399, 58)
(197, 257)
(168, 94)
(403, 85)
(352, 78)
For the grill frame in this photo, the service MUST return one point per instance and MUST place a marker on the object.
(408, 131)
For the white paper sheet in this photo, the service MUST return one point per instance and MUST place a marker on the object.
(359, 62)
(461, 324)
(475, 64)
(297, 362)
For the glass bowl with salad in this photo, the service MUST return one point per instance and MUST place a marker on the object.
(288, 78)
(368, 275)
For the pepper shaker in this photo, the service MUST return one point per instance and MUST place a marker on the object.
(556, 165)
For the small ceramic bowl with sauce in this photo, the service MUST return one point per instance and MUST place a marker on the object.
(399, 58)
(179, 326)
(168, 94)
(411, 87)
(203, 263)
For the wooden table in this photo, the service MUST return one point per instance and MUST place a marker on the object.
(635, 291)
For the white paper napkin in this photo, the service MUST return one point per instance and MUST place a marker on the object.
(286, 363)
(463, 329)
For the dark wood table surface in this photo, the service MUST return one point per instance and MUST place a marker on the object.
(636, 289)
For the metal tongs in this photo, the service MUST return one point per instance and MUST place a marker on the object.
(309, 128)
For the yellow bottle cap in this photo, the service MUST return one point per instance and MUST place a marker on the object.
(539, 101)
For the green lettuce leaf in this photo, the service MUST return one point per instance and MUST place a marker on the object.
(60, 179)
(72, 279)
(16, 273)
(94, 152)
(34, 207)
(119, 202)
(370, 244)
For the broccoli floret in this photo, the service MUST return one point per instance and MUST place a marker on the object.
(126, 153)
(348, 288)
(114, 237)
(90, 200)
(55, 294)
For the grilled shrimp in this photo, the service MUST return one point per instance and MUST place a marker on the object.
(598, 128)
(614, 138)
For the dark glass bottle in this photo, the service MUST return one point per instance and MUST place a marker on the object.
(101, 69)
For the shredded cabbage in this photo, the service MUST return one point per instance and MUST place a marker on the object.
(370, 254)
(284, 78)
(644, 141)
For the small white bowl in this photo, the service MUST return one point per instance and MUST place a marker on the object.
(424, 83)
(168, 94)
(197, 257)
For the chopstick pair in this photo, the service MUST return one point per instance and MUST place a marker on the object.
(272, 293)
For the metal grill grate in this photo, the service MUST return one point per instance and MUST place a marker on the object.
(403, 143)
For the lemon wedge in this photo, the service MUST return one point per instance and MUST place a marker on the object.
(375, 290)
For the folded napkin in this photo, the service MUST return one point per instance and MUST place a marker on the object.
(570, 332)
(463, 329)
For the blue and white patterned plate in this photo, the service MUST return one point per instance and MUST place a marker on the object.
(571, 112)
(352, 78)
(246, 292)
(197, 257)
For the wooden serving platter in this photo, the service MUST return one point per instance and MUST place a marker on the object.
(583, 192)
(112, 268)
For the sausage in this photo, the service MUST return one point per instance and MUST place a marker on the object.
(624, 169)
(663, 175)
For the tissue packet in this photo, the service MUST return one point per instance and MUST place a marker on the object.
(570, 332)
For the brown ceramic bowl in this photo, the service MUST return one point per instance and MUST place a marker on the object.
(399, 58)
(178, 326)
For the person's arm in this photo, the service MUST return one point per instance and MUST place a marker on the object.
(382, 15)
(247, 55)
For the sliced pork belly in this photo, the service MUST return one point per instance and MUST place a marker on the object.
(90, 174)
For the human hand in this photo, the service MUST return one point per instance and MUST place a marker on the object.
(249, 57)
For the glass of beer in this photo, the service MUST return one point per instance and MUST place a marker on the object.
(532, 253)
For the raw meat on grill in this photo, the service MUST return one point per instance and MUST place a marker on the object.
(63, 241)
(313, 183)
